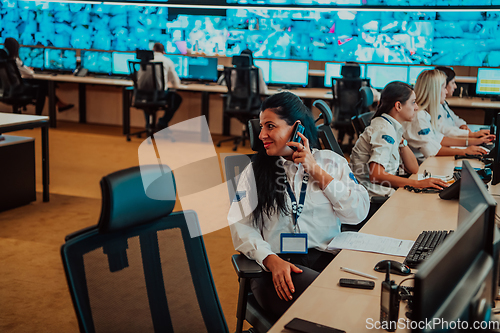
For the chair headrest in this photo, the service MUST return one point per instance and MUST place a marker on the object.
(350, 71)
(326, 112)
(136, 196)
(254, 130)
(366, 95)
(241, 60)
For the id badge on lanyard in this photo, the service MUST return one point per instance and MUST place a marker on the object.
(295, 242)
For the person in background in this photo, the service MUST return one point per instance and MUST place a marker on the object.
(422, 132)
(170, 75)
(381, 153)
(448, 122)
(318, 183)
(11, 46)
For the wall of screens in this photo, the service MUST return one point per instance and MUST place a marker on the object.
(429, 38)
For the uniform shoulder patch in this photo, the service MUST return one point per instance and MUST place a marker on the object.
(424, 131)
(351, 175)
(439, 117)
(239, 195)
(388, 138)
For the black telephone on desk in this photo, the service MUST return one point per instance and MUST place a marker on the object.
(80, 71)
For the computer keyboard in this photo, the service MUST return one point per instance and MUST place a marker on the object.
(423, 247)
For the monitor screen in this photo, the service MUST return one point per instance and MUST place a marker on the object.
(265, 66)
(415, 71)
(180, 63)
(200, 68)
(32, 57)
(488, 81)
(332, 69)
(381, 75)
(60, 60)
(289, 72)
(120, 62)
(97, 62)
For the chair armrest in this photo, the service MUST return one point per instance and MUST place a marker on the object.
(378, 199)
(246, 268)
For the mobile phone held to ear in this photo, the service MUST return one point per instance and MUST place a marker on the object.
(297, 128)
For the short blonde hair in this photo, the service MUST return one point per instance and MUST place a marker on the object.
(428, 93)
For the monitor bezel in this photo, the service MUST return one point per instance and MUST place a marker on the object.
(279, 83)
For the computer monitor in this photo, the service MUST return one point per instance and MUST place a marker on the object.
(457, 281)
(144, 55)
(60, 60)
(415, 71)
(294, 73)
(381, 75)
(32, 57)
(180, 63)
(199, 68)
(265, 66)
(488, 81)
(120, 62)
(495, 166)
(97, 62)
(332, 69)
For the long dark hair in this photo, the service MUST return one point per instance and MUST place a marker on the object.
(393, 92)
(12, 47)
(268, 171)
(450, 73)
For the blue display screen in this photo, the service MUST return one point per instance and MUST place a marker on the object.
(265, 66)
(60, 60)
(32, 57)
(120, 62)
(97, 62)
(289, 72)
(488, 81)
(380, 75)
(415, 71)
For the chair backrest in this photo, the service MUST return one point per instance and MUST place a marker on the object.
(254, 130)
(242, 60)
(242, 89)
(140, 270)
(325, 133)
(366, 99)
(347, 97)
(365, 119)
(149, 83)
(11, 83)
(326, 112)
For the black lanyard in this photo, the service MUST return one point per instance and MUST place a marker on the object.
(297, 209)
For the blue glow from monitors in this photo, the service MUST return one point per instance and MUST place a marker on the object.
(289, 72)
(332, 70)
(488, 81)
(200, 68)
(32, 57)
(97, 62)
(380, 75)
(415, 71)
(120, 62)
(60, 60)
(265, 66)
(179, 65)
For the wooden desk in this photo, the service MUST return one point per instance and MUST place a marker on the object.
(10, 122)
(491, 108)
(403, 216)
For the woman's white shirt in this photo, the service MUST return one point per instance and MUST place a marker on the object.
(449, 122)
(342, 201)
(423, 140)
(23, 70)
(378, 143)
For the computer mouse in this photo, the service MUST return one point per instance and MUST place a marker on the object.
(396, 267)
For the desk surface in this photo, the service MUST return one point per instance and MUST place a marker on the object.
(403, 216)
(83, 79)
(473, 102)
(10, 119)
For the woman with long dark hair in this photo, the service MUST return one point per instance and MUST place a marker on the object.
(381, 148)
(294, 203)
(11, 45)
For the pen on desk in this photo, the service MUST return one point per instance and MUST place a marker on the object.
(348, 270)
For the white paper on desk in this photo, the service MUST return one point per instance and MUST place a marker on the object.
(443, 178)
(358, 241)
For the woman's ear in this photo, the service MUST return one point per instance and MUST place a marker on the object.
(398, 106)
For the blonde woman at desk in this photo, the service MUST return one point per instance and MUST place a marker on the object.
(422, 132)
(448, 122)
(318, 182)
(381, 149)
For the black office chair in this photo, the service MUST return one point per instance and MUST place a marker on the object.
(149, 93)
(325, 134)
(243, 98)
(139, 269)
(364, 116)
(13, 90)
(346, 97)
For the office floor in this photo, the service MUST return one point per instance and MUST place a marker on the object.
(34, 295)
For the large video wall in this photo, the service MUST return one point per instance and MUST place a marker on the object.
(437, 38)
